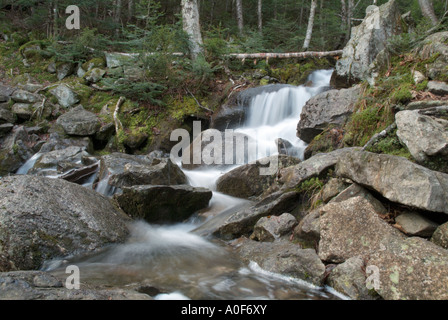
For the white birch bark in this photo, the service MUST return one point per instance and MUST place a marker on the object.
(309, 30)
(191, 25)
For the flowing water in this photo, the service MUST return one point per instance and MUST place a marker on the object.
(173, 262)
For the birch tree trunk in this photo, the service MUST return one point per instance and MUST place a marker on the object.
(260, 16)
(428, 11)
(191, 25)
(239, 15)
(309, 30)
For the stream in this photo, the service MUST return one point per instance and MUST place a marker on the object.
(172, 262)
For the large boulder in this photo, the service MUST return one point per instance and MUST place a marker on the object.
(423, 135)
(316, 166)
(352, 227)
(411, 269)
(397, 179)
(435, 49)
(79, 122)
(118, 170)
(328, 108)
(367, 41)
(247, 181)
(43, 218)
(161, 204)
(285, 258)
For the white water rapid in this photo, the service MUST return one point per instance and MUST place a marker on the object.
(183, 265)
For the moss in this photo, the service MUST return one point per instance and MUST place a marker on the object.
(437, 163)
(180, 108)
(298, 73)
(94, 63)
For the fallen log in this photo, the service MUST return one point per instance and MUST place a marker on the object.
(307, 54)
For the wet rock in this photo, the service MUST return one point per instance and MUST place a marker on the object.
(411, 269)
(161, 204)
(66, 96)
(242, 222)
(273, 227)
(79, 122)
(328, 108)
(424, 136)
(43, 218)
(39, 285)
(368, 40)
(397, 179)
(285, 258)
(58, 159)
(351, 228)
(249, 180)
(349, 278)
(123, 170)
(228, 118)
(415, 224)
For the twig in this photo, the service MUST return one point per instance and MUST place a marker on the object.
(118, 124)
(198, 103)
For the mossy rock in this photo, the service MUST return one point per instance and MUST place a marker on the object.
(329, 140)
(94, 63)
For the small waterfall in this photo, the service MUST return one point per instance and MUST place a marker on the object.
(275, 114)
(29, 164)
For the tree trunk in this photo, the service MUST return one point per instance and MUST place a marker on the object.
(260, 16)
(309, 30)
(349, 16)
(191, 25)
(428, 11)
(117, 16)
(239, 15)
(131, 10)
(55, 18)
